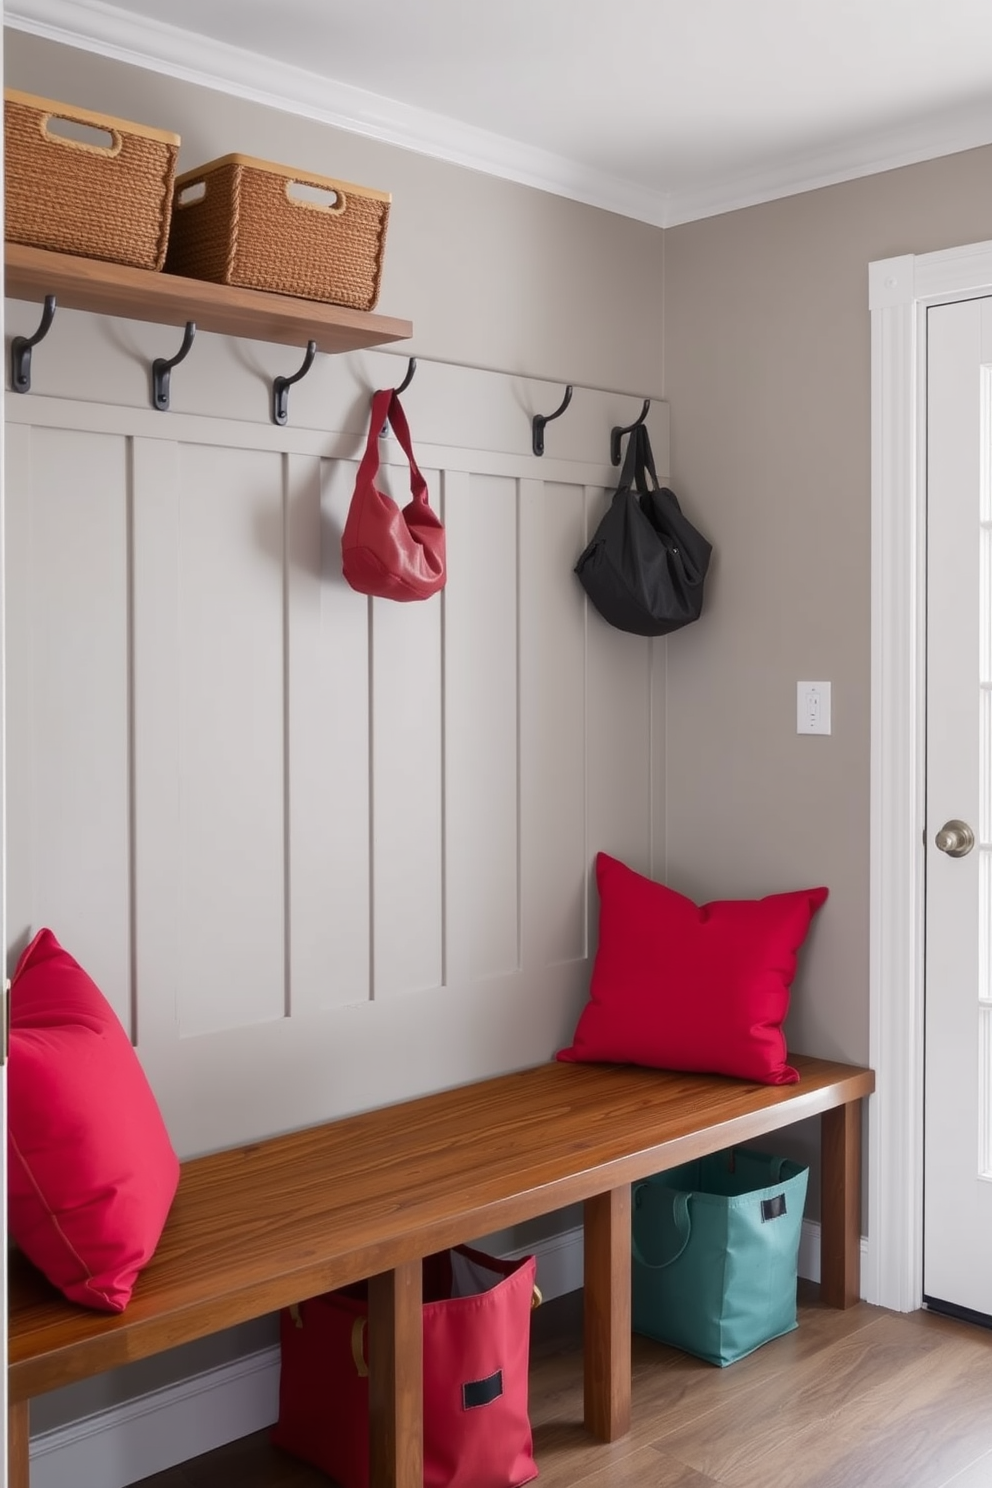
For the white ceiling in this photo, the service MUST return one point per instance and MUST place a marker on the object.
(664, 110)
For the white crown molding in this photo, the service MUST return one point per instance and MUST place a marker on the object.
(868, 156)
(142, 42)
(98, 27)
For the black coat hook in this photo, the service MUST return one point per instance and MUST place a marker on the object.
(20, 349)
(411, 368)
(409, 376)
(540, 419)
(618, 433)
(161, 368)
(281, 386)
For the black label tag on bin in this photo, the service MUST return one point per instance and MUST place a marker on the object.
(482, 1392)
(773, 1208)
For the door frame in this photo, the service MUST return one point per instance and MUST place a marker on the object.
(899, 293)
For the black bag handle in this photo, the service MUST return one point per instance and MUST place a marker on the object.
(638, 464)
(645, 461)
(630, 469)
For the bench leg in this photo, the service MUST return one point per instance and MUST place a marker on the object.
(18, 1432)
(840, 1205)
(607, 1314)
(396, 1378)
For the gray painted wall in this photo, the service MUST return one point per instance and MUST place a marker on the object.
(767, 345)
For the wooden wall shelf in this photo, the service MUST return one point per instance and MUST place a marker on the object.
(140, 294)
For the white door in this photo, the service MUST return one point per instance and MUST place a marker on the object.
(958, 1079)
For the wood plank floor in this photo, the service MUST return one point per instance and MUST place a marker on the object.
(857, 1399)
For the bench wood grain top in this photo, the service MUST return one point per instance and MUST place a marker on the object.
(257, 1227)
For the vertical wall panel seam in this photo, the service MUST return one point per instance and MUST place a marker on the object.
(131, 725)
(443, 641)
(664, 314)
(518, 734)
(4, 925)
(665, 768)
(586, 498)
(662, 864)
(665, 765)
(652, 801)
(287, 786)
(370, 612)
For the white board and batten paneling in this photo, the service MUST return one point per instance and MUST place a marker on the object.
(320, 852)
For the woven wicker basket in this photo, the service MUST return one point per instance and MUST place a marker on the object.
(110, 199)
(238, 221)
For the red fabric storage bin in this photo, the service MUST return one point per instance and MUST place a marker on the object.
(476, 1323)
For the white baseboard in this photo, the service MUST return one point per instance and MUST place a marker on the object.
(809, 1250)
(559, 1262)
(156, 1431)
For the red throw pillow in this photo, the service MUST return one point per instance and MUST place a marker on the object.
(91, 1172)
(682, 986)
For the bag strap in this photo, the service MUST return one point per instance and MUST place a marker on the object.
(775, 1163)
(386, 407)
(630, 467)
(645, 461)
(638, 464)
(683, 1225)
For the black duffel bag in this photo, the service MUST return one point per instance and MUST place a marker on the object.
(645, 566)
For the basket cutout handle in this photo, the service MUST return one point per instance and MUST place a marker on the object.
(316, 198)
(192, 192)
(79, 134)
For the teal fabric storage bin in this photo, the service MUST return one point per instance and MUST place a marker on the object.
(716, 1252)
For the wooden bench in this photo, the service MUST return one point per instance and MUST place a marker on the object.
(259, 1227)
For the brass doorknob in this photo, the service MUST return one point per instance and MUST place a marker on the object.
(955, 838)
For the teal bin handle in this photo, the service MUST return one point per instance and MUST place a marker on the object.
(683, 1224)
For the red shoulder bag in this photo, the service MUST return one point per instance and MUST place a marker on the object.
(389, 552)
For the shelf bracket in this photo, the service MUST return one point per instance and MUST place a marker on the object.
(282, 385)
(162, 369)
(20, 349)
